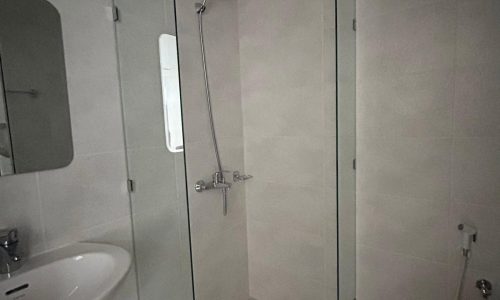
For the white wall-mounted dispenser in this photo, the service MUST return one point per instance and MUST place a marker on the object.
(171, 93)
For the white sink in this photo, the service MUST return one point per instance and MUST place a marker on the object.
(81, 271)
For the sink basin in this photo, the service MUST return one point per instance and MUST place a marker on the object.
(82, 271)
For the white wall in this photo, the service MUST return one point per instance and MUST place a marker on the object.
(428, 145)
(87, 200)
(287, 55)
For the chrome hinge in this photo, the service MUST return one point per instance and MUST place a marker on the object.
(354, 164)
(113, 13)
(131, 185)
(354, 24)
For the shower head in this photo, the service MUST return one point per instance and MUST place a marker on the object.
(200, 7)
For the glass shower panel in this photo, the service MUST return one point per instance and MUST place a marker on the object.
(157, 176)
(346, 147)
(272, 76)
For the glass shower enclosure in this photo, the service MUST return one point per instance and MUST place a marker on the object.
(281, 80)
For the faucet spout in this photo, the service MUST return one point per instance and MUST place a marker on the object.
(10, 259)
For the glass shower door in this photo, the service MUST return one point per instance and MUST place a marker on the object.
(272, 74)
(146, 45)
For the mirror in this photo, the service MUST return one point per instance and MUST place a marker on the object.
(35, 128)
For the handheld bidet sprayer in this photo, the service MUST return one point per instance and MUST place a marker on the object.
(469, 235)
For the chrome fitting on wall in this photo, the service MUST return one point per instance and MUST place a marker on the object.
(485, 287)
(218, 183)
(237, 177)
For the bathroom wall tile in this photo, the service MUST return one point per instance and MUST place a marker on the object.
(286, 206)
(95, 114)
(330, 109)
(92, 76)
(408, 105)
(289, 160)
(127, 288)
(476, 171)
(188, 25)
(442, 49)
(227, 250)
(222, 14)
(143, 110)
(160, 254)
(408, 226)
(139, 54)
(227, 114)
(478, 32)
(347, 242)
(190, 63)
(407, 167)
(20, 208)
(297, 252)
(403, 277)
(330, 163)
(399, 43)
(380, 8)
(91, 191)
(288, 110)
(297, 111)
(222, 47)
(83, 22)
(225, 96)
(194, 112)
(329, 14)
(329, 54)
(154, 173)
(275, 63)
(263, 20)
(270, 283)
(476, 105)
(154, 18)
(330, 239)
(346, 107)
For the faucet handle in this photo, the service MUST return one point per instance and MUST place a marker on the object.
(8, 236)
(237, 177)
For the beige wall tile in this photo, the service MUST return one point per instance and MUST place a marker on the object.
(288, 160)
(476, 171)
(476, 106)
(478, 32)
(426, 69)
(387, 275)
(407, 105)
(410, 226)
(296, 111)
(408, 167)
(400, 43)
